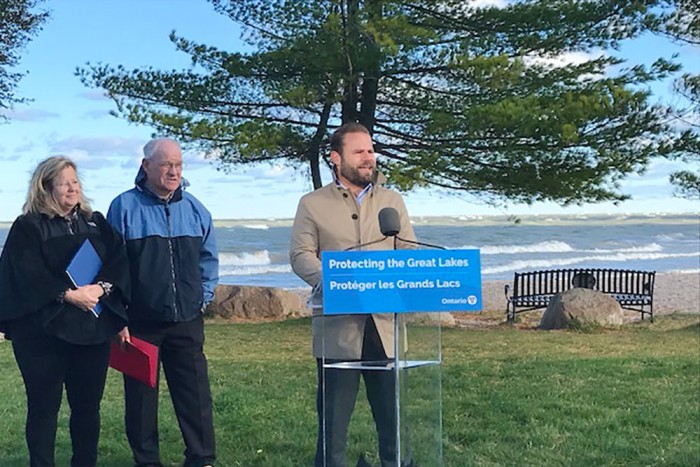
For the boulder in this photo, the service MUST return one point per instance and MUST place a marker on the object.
(584, 305)
(252, 303)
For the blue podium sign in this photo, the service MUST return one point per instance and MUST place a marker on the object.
(401, 281)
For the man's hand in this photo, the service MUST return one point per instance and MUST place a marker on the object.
(123, 337)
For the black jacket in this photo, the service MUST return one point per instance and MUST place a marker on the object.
(32, 276)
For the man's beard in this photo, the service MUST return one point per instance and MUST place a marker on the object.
(353, 175)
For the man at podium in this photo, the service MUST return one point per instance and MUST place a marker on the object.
(343, 215)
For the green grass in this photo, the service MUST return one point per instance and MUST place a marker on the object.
(511, 396)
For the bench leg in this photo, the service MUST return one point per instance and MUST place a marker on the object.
(510, 312)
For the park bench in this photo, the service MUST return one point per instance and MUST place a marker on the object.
(532, 290)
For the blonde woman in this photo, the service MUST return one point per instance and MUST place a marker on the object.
(57, 339)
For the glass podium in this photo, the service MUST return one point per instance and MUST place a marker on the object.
(376, 318)
(413, 374)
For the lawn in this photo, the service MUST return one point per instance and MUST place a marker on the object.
(511, 396)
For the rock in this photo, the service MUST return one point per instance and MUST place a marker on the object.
(584, 305)
(251, 302)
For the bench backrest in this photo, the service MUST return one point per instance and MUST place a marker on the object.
(612, 281)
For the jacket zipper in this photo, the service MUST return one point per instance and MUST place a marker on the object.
(69, 224)
(172, 258)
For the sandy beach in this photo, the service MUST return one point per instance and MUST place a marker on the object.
(672, 293)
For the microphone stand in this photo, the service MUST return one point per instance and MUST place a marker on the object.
(361, 245)
(397, 381)
(430, 245)
(397, 387)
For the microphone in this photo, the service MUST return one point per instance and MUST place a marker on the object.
(389, 223)
(390, 226)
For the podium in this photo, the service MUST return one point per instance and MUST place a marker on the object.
(361, 291)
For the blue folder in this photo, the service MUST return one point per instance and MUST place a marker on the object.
(83, 269)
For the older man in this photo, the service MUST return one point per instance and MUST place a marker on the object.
(340, 215)
(174, 267)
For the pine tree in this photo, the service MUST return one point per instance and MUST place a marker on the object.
(681, 23)
(520, 103)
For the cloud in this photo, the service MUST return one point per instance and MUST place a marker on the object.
(28, 146)
(98, 152)
(661, 166)
(106, 146)
(87, 162)
(561, 60)
(274, 172)
(12, 158)
(196, 159)
(265, 181)
(487, 3)
(28, 115)
(96, 114)
(654, 184)
(94, 95)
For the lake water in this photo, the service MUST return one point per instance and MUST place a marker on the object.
(256, 252)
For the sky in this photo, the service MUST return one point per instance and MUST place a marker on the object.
(67, 118)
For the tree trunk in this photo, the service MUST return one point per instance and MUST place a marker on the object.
(350, 93)
(314, 151)
(370, 80)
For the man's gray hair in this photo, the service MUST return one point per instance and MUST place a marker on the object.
(153, 146)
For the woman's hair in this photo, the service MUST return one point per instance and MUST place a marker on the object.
(40, 198)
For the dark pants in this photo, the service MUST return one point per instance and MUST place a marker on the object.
(340, 393)
(185, 367)
(46, 364)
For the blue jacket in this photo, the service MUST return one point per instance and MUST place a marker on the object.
(172, 253)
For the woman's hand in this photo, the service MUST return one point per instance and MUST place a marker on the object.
(85, 297)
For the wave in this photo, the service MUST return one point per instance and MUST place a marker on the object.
(250, 263)
(543, 247)
(254, 270)
(256, 258)
(256, 226)
(650, 248)
(550, 263)
(559, 247)
(679, 238)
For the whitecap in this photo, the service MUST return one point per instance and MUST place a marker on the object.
(254, 258)
(552, 263)
(254, 270)
(542, 247)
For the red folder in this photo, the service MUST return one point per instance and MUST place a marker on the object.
(138, 359)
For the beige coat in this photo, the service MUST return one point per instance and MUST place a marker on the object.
(329, 219)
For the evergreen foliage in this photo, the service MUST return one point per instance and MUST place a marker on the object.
(519, 103)
(682, 24)
(18, 24)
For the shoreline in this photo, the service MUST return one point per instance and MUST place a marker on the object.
(673, 292)
(498, 219)
(485, 219)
